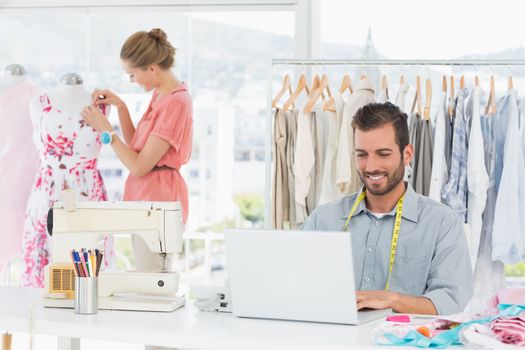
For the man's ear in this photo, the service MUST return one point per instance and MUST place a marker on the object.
(408, 154)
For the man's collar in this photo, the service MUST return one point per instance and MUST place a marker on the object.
(409, 205)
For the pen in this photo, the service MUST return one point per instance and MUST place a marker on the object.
(92, 262)
(99, 262)
(75, 266)
(84, 265)
(88, 264)
(81, 271)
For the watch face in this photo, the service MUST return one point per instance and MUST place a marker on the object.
(105, 138)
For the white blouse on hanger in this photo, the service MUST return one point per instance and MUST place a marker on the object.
(478, 178)
(439, 164)
(347, 179)
(329, 191)
(304, 160)
(401, 96)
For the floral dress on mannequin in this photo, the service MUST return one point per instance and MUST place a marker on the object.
(68, 150)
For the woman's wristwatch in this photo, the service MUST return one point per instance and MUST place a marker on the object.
(106, 137)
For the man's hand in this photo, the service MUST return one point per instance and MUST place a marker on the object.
(375, 299)
(380, 299)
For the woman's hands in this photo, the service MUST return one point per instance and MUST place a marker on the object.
(95, 119)
(106, 97)
(92, 114)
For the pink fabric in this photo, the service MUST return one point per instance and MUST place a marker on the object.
(18, 164)
(169, 117)
(510, 330)
(398, 318)
(68, 150)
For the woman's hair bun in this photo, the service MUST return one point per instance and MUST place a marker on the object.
(158, 34)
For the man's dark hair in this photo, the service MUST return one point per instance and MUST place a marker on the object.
(375, 115)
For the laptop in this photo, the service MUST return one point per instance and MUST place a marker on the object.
(294, 275)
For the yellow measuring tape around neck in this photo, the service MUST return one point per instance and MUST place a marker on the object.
(395, 233)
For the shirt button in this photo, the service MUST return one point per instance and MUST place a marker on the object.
(377, 222)
(370, 249)
(367, 279)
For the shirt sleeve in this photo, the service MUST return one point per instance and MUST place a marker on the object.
(173, 121)
(450, 281)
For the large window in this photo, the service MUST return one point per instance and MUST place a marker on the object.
(444, 30)
(223, 56)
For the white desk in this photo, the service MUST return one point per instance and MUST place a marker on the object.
(186, 327)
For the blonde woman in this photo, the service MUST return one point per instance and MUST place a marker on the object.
(160, 144)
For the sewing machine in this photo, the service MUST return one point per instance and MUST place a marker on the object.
(84, 225)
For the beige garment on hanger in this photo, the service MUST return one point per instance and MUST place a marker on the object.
(290, 147)
(320, 145)
(347, 178)
(273, 214)
(329, 191)
(281, 171)
(310, 197)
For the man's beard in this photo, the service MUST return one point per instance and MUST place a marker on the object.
(393, 179)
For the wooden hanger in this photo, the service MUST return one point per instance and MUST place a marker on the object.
(417, 97)
(451, 97)
(476, 81)
(428, 99)
(462, 82)
(346, 83)
(510, 85)
(323, 85)
(285, 87)
(329, 105)
(491, 103)
(402, 80)
(315, 84)
(302, 85)
(384, 85)
(327, 87)
(444, 89)
(452, 87)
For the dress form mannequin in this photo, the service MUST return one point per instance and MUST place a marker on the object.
(70, 96)
(13, 74)
(68, 150)
(16, 177)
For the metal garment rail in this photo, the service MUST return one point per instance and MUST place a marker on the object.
(349, 62)
(388, 62)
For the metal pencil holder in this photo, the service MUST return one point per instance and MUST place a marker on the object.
(86, 295)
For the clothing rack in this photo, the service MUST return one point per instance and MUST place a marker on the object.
(388, 62)
(352, 62)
